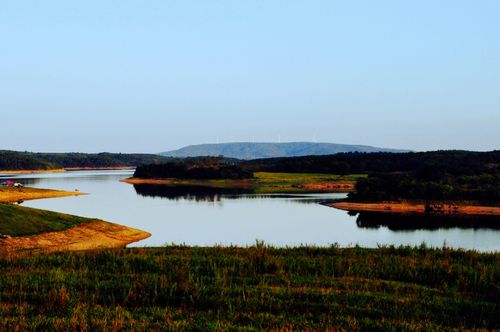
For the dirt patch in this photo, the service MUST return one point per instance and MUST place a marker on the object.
(95, 235)
(337, 186)
(9, 195)
(429, 208)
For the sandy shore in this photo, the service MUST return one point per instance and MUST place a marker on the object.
(9, 195)
(99, 234)
(436, 209)
(94, 235)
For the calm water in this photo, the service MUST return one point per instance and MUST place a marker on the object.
(201, 216)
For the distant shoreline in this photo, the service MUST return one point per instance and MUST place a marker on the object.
(118, 168)
(31, 171)
(62, 170)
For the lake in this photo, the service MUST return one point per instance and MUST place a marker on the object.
(198, 216)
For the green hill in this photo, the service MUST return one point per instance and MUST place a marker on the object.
(21, 221)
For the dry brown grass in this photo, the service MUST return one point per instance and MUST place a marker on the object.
(9, 194)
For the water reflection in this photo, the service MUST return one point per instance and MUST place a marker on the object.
(205, 217)
(211, 194)
(190, 193)
(410, 222)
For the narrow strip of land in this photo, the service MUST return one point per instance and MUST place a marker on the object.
(94, 235)
(431, 208)
(267, 182)
(31, 171)
(31, 230)
(62, 170)
(10, 194)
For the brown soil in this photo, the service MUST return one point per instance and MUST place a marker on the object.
(337, 186)
(431, 208)
(95, 235)
(23, 194)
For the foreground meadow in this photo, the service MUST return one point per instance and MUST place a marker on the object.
(256, 288)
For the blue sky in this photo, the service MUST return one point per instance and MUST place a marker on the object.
(149, 76)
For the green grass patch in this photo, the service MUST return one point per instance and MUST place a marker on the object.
(251, 289)
(267, 182)
(20, 221)
(303, 178)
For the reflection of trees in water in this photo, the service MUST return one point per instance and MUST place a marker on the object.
(401, 222)
(191, 193)
(211, 194)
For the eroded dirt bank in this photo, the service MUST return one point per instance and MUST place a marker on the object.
(433, 208)
(95, 235)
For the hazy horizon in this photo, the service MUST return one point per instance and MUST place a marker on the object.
(125, 76)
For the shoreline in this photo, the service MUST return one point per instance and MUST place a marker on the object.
(62, 170)
(12, 195)
(85, 236)
(247, 184)
(32, 171)
(259, 187)
(118, 168)
(94, 235)
(445, 209)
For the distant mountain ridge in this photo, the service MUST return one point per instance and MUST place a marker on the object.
(270, 150)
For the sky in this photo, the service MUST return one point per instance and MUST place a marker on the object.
(155, 75)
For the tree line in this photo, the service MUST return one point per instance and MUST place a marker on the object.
(13, 160)
(198, 168)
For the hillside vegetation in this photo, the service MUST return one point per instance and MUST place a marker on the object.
(203, 168)
(452, 162)
(258, 288)
(20, 221)
(437, 175)
(269, 150)
(13, 160)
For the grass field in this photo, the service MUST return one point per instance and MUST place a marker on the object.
(20, 221)
(303, 182)
(257, 288)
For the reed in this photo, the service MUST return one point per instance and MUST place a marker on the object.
(255, 288)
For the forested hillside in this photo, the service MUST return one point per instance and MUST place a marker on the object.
(437, 175)
(433, 163)
(13, 160)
